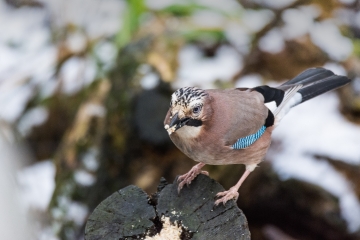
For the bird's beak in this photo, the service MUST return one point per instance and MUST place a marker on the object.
(176, 123)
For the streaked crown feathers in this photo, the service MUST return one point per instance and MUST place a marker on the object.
(187, 96)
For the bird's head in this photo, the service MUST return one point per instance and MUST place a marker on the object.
(189, 106)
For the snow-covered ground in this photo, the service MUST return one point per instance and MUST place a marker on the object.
(313, 128)
(28, 58)
(37, 183)
(195, 69)
(27, 62)
(13, 216)
(28, 55)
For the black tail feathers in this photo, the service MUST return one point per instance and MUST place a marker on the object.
(317, 81)
(310, 75)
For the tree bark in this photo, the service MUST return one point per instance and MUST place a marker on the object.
(130, 214)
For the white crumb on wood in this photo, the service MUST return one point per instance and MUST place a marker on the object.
(169, 231)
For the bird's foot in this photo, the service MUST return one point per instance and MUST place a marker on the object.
(189, 176)
(225, 196)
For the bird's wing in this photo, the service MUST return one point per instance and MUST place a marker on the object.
(289, 94)
(237, 113)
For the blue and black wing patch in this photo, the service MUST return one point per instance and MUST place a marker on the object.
(248, 140)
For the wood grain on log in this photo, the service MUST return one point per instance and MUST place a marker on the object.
(131, 214)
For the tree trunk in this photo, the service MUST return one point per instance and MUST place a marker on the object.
(131, 214)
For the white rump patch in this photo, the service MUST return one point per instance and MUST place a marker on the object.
(292, 102)
(271, 106)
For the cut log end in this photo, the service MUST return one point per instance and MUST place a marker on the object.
(131, 214)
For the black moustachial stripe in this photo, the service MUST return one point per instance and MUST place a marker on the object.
(270, 94)
(194, 122)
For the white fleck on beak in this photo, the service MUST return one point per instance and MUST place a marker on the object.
(169, 129)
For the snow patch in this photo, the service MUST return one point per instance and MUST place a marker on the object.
(13, 102)
(238, 36)
(197, 70)
(90, 159)
(77, 212)
(12, 214)
(335, 68)
(328, 37)
(298, 21)
(208, 19)
(275, 3)
(77, 73)
(255, 20)
(84, 178)
(249, 81)
(32, 118)
(149, 81)
(313, 128)
(37, 183)
(272, 42)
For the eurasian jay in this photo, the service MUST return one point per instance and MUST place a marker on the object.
(234, 126)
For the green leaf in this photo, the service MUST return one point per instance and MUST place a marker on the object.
(213, 35)
(182, 10)
(131, 21)
(185, 10)
(356, 47)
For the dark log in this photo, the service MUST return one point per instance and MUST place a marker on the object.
(126, 213)
(131, 214)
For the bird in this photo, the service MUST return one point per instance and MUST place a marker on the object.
(234, 126)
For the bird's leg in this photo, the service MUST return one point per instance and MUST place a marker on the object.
(232, 193)
(189, 176)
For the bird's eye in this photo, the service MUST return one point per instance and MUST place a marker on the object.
(196, 109)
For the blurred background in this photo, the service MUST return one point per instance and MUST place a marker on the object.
(85, 86)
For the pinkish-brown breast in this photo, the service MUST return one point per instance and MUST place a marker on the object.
(235, 115)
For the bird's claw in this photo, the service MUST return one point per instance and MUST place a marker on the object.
(189, 176)
(226, 196)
